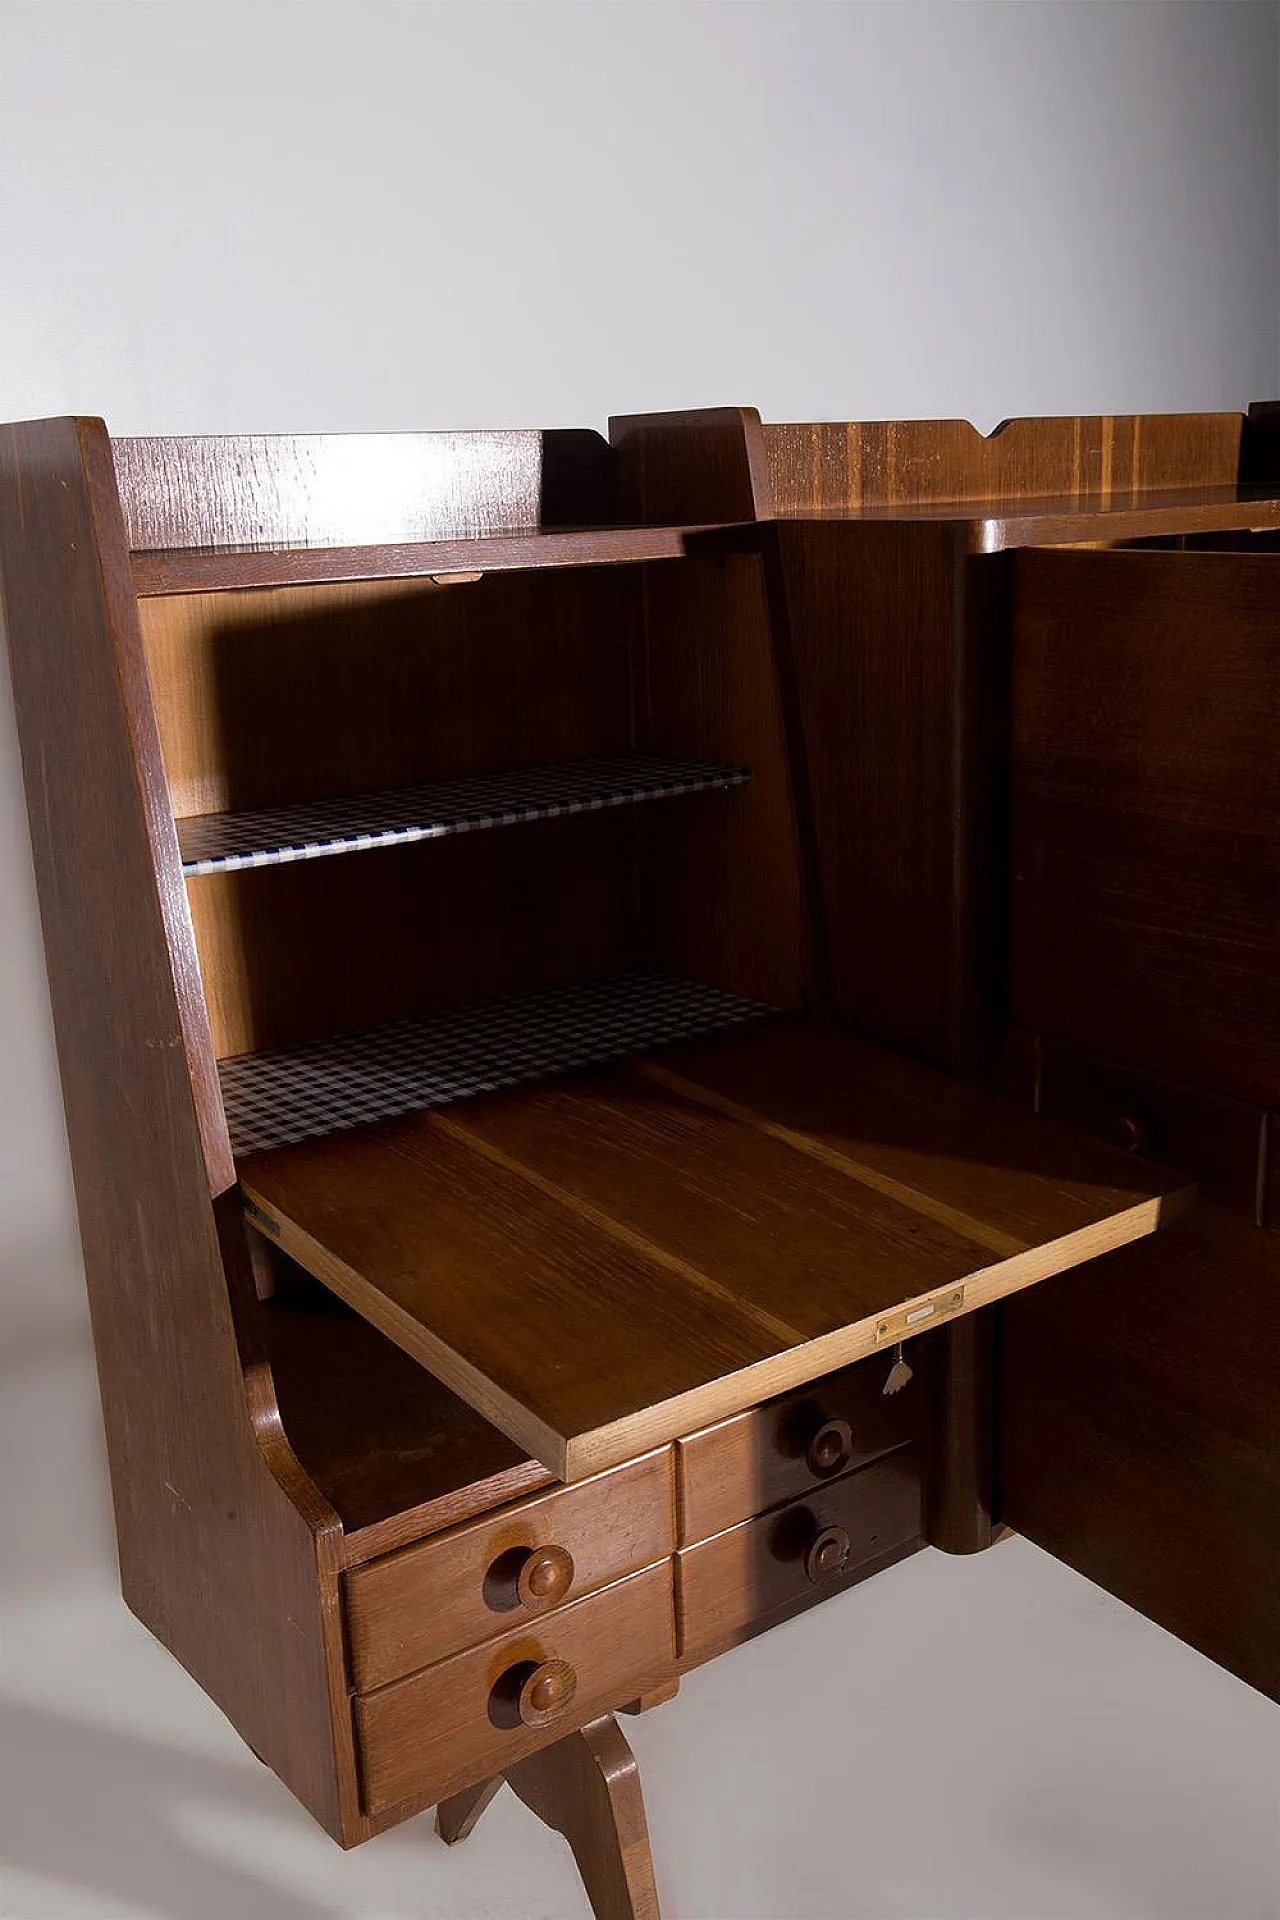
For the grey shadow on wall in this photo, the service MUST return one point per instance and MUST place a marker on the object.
(96, 1807)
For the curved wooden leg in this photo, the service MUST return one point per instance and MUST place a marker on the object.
(587, 1787)
(456, 1818)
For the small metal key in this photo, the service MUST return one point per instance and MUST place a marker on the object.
(899, 1372)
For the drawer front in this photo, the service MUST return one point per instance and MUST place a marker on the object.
(745, 1465)
(424, 1738)
(433, 1599)
(728, 1586)
(1218, 1142)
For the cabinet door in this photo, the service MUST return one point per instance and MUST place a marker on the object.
(1139, 1432)
(1146, 813)
(1139, 1401)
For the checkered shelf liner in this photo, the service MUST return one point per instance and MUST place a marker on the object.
(277, 1099)
(270, 837)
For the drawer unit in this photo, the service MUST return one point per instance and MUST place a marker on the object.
(745, 1465)
(1219, 1142)
(463, 1719)
(442, 1595)
(730, 1585)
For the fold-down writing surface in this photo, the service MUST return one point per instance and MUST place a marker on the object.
(603, 1264)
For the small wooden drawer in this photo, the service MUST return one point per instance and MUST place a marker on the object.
(424, 1738)
(747, 1464)
(729, 1586)
(437, 1597)
(1218, 1142)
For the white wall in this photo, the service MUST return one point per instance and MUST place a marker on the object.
(371, 216)
(282, 217)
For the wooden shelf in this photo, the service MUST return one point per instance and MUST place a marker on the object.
(221, 569)
(273, 1099)
(360, 823)
(601, 1265)
(992, 526)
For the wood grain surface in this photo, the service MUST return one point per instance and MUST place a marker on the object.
(737, 1468)
(706, 464)
(719, 1225)
(409, 1609)
(727, 1585)
(1077, 520)
(180, 572)
(267, 698)
(303, 693)
(429, 1736)
(1220, 1143)
(228, 1551)
(865, 464)
(1140, 1433)
(395, 1454)
(720, 886)
(1146, 797)
(347, 489)
(874, 622)
(586, 1787)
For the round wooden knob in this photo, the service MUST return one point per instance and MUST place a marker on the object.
(828, 1554)
(547, 1693)
(831, 1449)
(544, 1578)
(1133, 1133)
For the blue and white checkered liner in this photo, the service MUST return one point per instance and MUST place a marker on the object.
(270, 837)
(276, 1099)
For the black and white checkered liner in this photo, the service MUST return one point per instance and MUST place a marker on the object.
(275, 1099)
(228, 842)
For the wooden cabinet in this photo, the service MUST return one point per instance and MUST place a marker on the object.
(532, 924)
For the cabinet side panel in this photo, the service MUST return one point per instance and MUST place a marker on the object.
(690, 468)
(215, 1557)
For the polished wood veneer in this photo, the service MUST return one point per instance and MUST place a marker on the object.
(719, 1223)
(426, 1737)
(411, 1608)
(743, 1465)
(733, 1584)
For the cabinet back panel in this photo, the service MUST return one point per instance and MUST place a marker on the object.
(296, 693)
(1146, 812)
(328, 946)
(721, 892)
